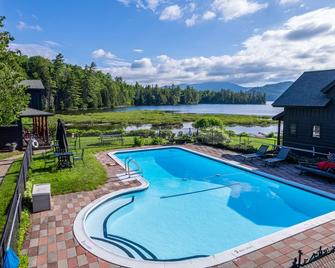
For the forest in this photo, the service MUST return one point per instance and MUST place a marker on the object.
(71, 87)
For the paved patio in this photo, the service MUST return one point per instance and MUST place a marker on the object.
(50, 242)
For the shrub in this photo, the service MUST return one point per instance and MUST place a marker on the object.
(157, 141)
(24, 226)
(27, 195)
(213, 137)
(138, 141)
(271, 135)
(166, 134)
(209, 122)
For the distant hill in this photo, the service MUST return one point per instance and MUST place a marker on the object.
(272, 91)
(216, 86)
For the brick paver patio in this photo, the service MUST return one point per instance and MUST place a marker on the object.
(50, 241)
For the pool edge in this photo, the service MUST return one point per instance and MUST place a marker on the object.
(216, 259)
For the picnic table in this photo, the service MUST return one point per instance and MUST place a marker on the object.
(111, 138)
(63, 159)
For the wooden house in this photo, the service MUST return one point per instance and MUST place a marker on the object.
(309, 112)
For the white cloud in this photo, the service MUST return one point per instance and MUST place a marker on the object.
(171, 13)
(192, 6)
(145, 4)
(109, 58)
(289, 2)
(153, 4)
(208, 15)
(34, 50)
(138, 50)
(24, 26)
(100, 53)
(141, 63)
(232, 9)
(191, 21)
(52, 43)
(302, 43)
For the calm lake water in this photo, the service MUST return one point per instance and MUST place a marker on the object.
(242, 109)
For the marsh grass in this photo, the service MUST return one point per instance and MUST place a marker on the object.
(156, 118)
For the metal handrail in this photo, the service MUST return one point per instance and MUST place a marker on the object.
(138, 169)
(126, 163)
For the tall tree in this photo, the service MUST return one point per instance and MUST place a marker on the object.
(13, 98)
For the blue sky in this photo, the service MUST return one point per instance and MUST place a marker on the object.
(250, 42)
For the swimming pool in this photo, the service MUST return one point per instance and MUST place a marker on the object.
(192, 208)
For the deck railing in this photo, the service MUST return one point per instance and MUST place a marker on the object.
(9, 234)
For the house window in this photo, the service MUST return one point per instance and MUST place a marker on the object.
(316, 131)
(293, 129)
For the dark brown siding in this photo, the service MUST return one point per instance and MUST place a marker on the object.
(35, 99)
(305, 118)
(9, 134)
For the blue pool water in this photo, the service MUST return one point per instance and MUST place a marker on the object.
(196, 206)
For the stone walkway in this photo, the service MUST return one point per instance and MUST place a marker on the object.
(50, 241)
(4, 167)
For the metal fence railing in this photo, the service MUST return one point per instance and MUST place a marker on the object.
(9, 235)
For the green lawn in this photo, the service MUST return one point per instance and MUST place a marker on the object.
(254, 142)
(7, 188)
(4, 155)
(83, 176)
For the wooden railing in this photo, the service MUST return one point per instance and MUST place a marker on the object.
(9, 235)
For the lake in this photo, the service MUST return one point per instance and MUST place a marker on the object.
(241, 109)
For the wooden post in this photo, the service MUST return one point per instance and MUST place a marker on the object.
(278, 134)
(47, 129)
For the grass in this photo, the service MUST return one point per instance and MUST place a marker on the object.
(4, 155)
(155, 118)
(254, 142)
(7, 189)
(83, 176)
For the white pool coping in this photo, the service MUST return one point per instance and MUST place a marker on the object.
(219, 258)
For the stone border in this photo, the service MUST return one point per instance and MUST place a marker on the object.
(219, 258)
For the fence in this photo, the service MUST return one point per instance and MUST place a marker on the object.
(9, 235)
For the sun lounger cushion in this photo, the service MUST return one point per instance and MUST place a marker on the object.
(325, 165)
(316, 171)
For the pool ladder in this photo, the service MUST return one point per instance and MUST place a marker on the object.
(138, 170)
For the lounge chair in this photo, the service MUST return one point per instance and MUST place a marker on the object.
(280, 157)
(330, 173)
(77, 157)
(259, 154)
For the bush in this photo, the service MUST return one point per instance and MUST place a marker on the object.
(166, 134)
(209, 122)
(244, 134)
(271, 135)
(213, 137)
(24, 226)
(157, 141)
(138, 141)
(27, 195)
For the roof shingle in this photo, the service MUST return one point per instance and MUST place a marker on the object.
(35, 84)
(307, 90)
